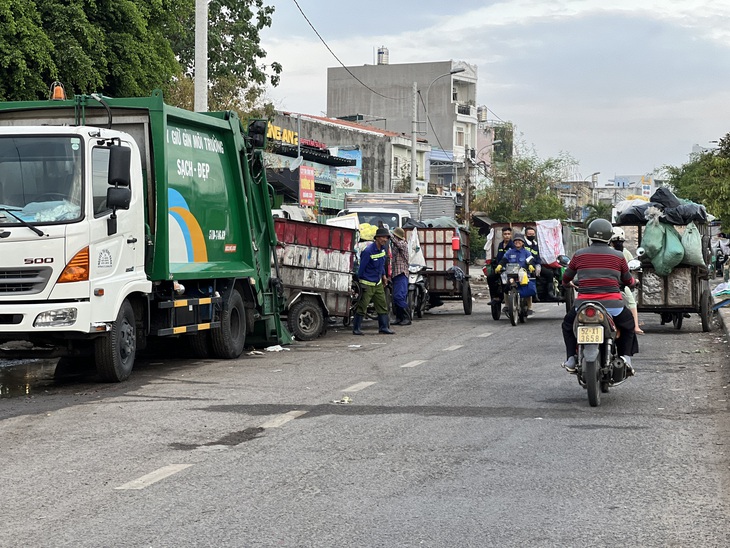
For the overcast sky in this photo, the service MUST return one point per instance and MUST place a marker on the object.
(623, 86)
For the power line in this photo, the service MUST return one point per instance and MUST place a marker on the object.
(338, 59)
(495, 114)
(428, 119)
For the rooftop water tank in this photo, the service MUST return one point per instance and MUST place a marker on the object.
(383, 55)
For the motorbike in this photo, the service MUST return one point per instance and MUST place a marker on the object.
(514, 277)
(418, 299)
(598, 364)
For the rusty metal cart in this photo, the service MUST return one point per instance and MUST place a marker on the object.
(446, 251)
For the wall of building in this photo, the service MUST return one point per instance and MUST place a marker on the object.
(347, 97)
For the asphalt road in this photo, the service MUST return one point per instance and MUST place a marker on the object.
(457, 431)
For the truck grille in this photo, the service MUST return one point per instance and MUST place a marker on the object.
(24, 281)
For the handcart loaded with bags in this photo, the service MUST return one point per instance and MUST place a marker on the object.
(671, 239)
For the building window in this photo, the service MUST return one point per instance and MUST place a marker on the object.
(460, 137)
(396, 166)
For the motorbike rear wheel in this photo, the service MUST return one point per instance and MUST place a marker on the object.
(591, 372)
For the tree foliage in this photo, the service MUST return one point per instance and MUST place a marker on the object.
(127, 48)
(235, 72)
(598, 211)
(705, 179)
(524, 189)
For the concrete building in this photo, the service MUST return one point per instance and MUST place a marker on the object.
(622, 186)
(346, 156)
(382, 95)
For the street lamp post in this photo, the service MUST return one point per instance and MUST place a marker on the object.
(414, 126)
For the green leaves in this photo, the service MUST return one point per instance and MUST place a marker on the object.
(705, 179)
(523, 190)
(128, 48)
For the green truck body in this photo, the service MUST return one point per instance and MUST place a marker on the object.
(206, 224)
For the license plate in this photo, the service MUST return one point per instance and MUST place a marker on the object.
(590, 335)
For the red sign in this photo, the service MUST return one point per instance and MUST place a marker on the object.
(306, 186)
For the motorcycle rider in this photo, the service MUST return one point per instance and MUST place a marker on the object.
(518, 254)
(601, 271)
(617, 242)
(545, 274)
(493, 277)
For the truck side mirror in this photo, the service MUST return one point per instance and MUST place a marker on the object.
(120, 161)
(118, 195)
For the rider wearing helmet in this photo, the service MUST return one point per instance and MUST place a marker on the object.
(518, 254)
(600, 271)
(617, 242)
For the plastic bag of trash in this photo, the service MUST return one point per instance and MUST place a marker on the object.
(692, 243)
(653, 239)
(671, 254)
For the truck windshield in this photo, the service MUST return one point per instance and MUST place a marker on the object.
(40, 179)
(388, 220)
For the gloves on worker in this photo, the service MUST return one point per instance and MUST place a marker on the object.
(531, 269)
(498, 269)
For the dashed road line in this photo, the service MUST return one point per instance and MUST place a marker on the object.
(359, 386)
(154, 477)
(280, 420)
(414, 363)
(455, 347)
(484, 334)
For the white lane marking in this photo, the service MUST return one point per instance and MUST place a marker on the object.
(153, 477)
(414, 363)
(484, 335)
(276, 422)
(359, 386)
(455, 347)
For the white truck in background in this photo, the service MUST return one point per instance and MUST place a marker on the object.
(420, 206)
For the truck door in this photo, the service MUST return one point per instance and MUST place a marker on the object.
(113, 258)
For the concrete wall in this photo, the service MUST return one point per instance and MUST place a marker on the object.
(346, 97)
(376, 148)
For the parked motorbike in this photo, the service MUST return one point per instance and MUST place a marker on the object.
(418, 300)
(598, 364)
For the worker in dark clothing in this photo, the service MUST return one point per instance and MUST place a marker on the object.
(493, 277)
(373, 280)
(545, 274)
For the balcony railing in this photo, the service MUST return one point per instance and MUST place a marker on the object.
(466, 110)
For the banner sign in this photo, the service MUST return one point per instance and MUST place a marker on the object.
(306, 186)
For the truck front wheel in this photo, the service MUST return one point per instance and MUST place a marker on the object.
(115, 351)
(230, 339)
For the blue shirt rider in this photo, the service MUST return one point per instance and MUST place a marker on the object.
(518, 254)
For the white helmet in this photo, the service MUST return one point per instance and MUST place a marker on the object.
(618, 234)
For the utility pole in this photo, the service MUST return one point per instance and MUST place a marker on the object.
(414, 131)
(200, 83)
(467, 181)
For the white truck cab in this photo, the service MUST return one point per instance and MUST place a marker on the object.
(390, 218)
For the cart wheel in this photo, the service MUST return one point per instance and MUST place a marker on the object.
(706, 310)
(677, 320)
(466, 297)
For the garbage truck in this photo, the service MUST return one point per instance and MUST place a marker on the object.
(126, 220)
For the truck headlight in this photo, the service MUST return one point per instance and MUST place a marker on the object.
(56, 318)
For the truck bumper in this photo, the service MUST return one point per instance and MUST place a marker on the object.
(41, 320)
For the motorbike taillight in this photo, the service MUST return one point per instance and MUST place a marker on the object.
(590, 315)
